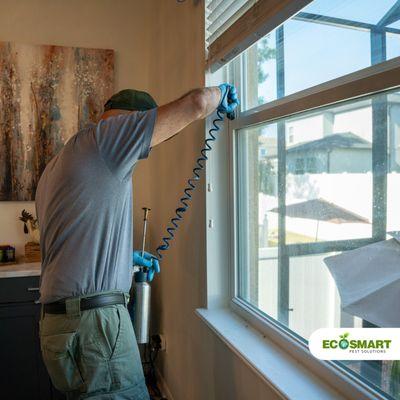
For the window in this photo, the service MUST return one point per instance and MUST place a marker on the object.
(299, 168)
(314, 177)
(326, 40)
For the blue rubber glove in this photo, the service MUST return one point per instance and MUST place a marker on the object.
(229, 99)
(149, 261)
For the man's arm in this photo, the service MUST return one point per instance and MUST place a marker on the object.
(174, 116)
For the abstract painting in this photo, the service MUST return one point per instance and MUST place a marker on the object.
(47, 94)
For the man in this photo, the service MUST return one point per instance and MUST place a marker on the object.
(84, 207)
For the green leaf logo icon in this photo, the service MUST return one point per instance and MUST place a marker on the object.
(344, 343)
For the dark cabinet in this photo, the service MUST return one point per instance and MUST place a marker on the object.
(23, 375)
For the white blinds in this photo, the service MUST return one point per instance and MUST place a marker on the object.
(234, 25)
(221, 14)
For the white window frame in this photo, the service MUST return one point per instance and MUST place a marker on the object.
(368, 81)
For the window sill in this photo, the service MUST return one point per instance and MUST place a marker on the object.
(282, 372)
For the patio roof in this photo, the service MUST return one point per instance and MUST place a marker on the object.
(322, 210)
(336, 141)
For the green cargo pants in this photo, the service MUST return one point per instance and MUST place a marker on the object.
(93, 354)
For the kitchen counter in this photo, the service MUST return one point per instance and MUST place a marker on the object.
(20, 270)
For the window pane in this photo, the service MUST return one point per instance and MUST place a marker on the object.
(326, 40)
(392, 45)
(308, 278)
(322, 59)
(328, 190)
(304, 192)
(328, 154)
(259, 62)
(258, 228)
(393, 179)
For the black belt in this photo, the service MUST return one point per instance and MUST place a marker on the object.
(86, 303)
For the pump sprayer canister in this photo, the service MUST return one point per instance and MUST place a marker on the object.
(141, 303)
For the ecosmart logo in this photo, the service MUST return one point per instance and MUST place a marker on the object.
(356, 344)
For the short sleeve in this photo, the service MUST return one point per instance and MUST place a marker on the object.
(124, 139)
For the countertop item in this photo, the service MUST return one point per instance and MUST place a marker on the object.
(18, 270)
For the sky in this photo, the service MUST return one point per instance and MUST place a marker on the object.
(316, 53)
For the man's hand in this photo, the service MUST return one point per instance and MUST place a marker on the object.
(229, 99)
(148, 261)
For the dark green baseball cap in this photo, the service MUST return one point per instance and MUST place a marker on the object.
(130, 99)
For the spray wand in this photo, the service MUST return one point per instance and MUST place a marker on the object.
(146, 213)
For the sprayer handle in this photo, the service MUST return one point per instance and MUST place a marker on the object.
(146, 213)
(231, 116)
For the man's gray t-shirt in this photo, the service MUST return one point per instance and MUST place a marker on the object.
(84, 207)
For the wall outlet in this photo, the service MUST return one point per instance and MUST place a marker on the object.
(158, 342)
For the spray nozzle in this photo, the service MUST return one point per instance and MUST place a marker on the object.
(140, 276)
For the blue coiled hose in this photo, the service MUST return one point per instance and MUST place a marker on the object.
(199, 166)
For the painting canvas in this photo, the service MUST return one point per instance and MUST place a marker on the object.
(47, 93)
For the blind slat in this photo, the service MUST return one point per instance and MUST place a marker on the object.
(214, 36)
(213, 4)
(221, 14)
(217, 13)
(225, 21)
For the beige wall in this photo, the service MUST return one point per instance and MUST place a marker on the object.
(159, 47)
